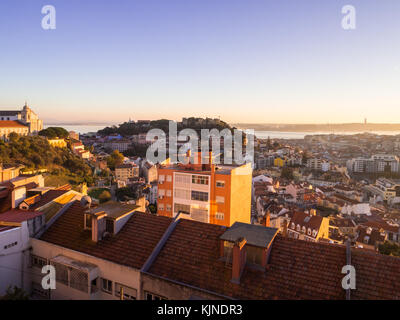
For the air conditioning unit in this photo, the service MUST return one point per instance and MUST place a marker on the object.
(161, 197)
(160, 182)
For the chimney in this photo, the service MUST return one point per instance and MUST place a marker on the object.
(284, 228)
(238, 259)
(267, 219)
(98, 226)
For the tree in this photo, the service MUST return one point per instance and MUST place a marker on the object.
(115, 159)
(389, 248)
(305, 157)
(104, 196)
(287, 173)
(15, 293)
(54, 132)
(152, 208)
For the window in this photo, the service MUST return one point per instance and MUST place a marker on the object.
(303, 229)
(220, 184)
(169, 178)
(182, 179)
(152, 296)
(168, 193)
(220, 199)
(309, 231)
(38, 290)
(200, 179)
(169, 207)
(219, 216)
(128, 293)
(178, 207)
(78, 280)
(228, 251)
(199, 196)
(314, 233)
(61, 272)
(110, 226)
(88, 222)
(298, 227)
(106, 285)
(37, 261)
(8, 246)
(182, 193)
(254, 255)
(161, 192)
(161, 206)
(93, 285)
(293, 225)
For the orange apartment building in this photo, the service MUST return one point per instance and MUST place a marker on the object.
(217, 194)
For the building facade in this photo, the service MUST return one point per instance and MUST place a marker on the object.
(208, 193)
(126, 171)
(26, 116)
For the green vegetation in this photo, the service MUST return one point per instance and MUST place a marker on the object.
(287, 173)
(152, 208)
(35, 152)
(129, 128)
(15, 293)
(104, 196)
(116, 158)
(131, 192)
(54, 132)
(96, 192)
(390, 248)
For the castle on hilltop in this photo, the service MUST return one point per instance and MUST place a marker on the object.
(22, 122)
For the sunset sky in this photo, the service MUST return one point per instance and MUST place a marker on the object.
(257, 61)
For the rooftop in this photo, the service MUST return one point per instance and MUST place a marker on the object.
(113, 209)
(255, 235)
(18, 216)
(191, 255)
(296, 270)
(45, 198)
(131, 246)
(11, 124)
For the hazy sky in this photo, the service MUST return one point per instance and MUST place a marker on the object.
(244, 60)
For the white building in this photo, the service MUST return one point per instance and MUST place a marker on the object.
(16, 228)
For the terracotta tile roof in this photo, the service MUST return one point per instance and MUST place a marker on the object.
(11, 124)
(378, 275)
(32, 200)
(297, 269)
(47, 197)
(131, 246)
(372, 238)
(303, 219)
(64, 187)
(16, 215)
(382, 225)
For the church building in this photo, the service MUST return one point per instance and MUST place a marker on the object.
(22, 122)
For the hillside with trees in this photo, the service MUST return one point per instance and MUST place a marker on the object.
(35, 152)
(54, 132)
(132, 128)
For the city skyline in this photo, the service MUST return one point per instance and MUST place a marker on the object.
(253, 62)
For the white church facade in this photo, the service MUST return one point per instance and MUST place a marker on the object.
(22, 122)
